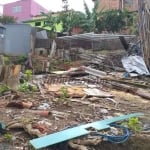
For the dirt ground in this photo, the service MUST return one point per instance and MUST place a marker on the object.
(75, 113)
(69, 112)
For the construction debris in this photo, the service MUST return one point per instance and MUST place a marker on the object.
(135, 64)
(73, 132)
(80, 94)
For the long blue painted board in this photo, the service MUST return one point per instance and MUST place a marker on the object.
(78, 131)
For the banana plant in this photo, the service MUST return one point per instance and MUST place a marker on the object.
(92, 17)
(71, 19)
(51, 22)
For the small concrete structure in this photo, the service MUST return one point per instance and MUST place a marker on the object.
(15, 39)
(2, 41)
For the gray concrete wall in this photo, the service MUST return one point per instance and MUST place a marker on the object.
(2, 45)
(113, 44)
(2, 39)
(18, 39)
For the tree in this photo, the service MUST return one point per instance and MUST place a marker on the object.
(65, 5)
(132, 22)
(51, 22)
(91, 17)
(112, 20)
(99, 20)
(87, 21)
(116, 20)
(7, 19)
(71, 19)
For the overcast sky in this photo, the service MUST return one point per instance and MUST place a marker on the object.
(56, 5)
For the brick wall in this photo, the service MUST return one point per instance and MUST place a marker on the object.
(131, 5)
(108, 4)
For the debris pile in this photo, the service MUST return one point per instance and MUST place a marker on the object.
(80, 94)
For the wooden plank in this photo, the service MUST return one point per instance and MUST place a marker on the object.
(144, 29)
(78, 131)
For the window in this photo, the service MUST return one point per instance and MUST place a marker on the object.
(128, 3)
(2, 32)
(38, 24)
(46, 23)
(40, 11)
(17, 9)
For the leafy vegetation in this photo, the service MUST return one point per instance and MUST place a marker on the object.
(109, 20)
(51, 22)
(132, 20)
(7, 19)
(71, 19)
(91, 17)
(8, 137)
(20, 59)
(63, 93)
(112, 20)
(3, 88)
(134, 124)
(28, 74)
(6, 60)
(92, 20)
(25, 87)
(63, 97)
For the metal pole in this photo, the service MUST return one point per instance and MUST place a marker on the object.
(108, 4)
(92, 46)
(122, 4)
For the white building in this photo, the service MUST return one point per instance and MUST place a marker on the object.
(1, 9)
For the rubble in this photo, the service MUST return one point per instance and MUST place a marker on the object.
(66, 98)
(92, 128)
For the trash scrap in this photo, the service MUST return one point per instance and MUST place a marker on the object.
(63, 103)
(135, 64)
(20, 105)
(31, 125)
(71, 133)
(94, 72)
(2, 128)
(97, 92)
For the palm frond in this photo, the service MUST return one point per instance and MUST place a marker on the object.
(87, 10)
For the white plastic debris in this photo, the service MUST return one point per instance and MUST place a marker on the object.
(135, 64)
(44, 106)
(104, 111)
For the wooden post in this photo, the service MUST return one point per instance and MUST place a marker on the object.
(144, 29)
(10, 75)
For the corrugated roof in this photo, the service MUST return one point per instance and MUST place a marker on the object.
(1, 25)
(94, 37)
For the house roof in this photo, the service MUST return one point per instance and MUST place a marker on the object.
(94, 37)
(2, 26)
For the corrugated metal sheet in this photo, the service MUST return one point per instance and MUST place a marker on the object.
(42, 43)
(17, 39)
(2, 38)
(94, 37)
(93, 41)
(2, 43)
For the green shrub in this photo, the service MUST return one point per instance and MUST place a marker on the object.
(134, 124)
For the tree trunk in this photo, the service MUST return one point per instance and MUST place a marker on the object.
(10, 75)
(53, 48)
